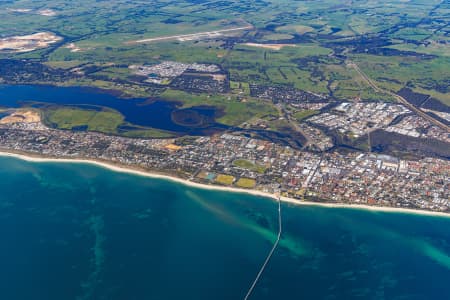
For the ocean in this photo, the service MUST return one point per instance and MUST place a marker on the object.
(78, 231)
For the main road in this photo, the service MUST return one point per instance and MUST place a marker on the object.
(398, 98)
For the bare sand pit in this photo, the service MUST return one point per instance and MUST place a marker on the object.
(276, 47)
(27, 43)
(73, 47)
(46, 12)
(22, 116)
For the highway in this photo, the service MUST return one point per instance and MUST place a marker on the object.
(282, 111)
(398, 98)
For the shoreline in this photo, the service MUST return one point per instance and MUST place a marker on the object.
(115, 167)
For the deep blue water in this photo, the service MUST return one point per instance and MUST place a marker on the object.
(138, 111)
(76, 231)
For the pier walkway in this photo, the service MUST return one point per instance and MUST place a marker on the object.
(277, 241)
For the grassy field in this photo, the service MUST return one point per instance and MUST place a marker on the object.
(245, 164)
(246, 183)
(304, 114)
(318, 32)
(148, 133)
(105, 121)
(70, 118)
(264, 66)
(235, 111)
(240, 87)
(224, 179)
(428, 76)
(434, 48)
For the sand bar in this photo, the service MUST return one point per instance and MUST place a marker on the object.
(130, 170)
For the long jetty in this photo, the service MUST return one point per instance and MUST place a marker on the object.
(269, 256)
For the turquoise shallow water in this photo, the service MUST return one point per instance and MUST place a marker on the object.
(76, 231)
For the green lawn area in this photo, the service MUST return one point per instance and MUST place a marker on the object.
(236, 111)
(296, 28)
(246, 183)
(243, 87)
(150, 133)
(225, 179)
(277, 36)
(105, 121)
(434, 48)
(246, 164)
(303, 114)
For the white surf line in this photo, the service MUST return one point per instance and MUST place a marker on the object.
(134, 170)
(191, 35)
(252, 287)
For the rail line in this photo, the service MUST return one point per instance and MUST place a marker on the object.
(252, 287)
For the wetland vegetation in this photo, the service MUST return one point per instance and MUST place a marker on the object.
(305, 48)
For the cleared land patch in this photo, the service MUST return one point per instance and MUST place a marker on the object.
(269, 46)
(27, 116)
(27, 43)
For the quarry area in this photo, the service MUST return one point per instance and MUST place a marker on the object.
(27, 43)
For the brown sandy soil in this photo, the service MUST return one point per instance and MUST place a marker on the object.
(27, 116)
(26, 43)
(269, 46)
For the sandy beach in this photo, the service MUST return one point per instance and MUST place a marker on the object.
(149, 174)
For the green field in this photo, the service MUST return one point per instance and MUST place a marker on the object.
(235, 111)
(68, 118)
(322, 36)
(245, 164)
(105, 121)
(304, 114)
(428, 76)
(224, 179)
(246, 183)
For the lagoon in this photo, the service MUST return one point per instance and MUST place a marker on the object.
(154, 113)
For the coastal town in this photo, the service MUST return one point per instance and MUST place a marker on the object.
(251, 150)
(232, 160)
